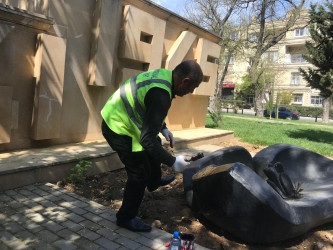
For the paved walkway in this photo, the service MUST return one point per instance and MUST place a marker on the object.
(44, 216)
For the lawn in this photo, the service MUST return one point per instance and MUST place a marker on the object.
(283, 120)
(314, 138)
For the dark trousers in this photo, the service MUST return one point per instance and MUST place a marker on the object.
(142, 171)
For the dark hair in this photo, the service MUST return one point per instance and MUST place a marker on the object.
(188, 68)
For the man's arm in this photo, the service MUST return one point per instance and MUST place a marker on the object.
(157, 103)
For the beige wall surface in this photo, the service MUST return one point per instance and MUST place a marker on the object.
(16, 76)
(54, 82)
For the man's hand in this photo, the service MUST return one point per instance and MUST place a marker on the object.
(168, 136)
(180, 164)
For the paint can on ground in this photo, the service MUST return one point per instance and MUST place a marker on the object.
(187, 241)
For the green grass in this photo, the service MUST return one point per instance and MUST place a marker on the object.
(314, 138)
(283, 120)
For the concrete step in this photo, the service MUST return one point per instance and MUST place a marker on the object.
(40, 165)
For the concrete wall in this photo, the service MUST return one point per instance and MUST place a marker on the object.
(55, 81)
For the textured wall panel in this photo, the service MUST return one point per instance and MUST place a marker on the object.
(206, 55)
(143, 37)
(179, 49)
(5, 113)
(104, 41)
(49, 73)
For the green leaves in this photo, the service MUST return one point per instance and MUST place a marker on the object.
(79, 171)
(320, 52)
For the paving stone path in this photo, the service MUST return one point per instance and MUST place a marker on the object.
(45, 216)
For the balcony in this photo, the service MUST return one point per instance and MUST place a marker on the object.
(294, 59)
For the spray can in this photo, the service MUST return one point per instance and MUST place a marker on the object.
(175, 244)
(187, 241)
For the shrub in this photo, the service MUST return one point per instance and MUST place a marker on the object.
(309, 111)
(215, 112)
(286, 97)
(79, 171)
(234, 104)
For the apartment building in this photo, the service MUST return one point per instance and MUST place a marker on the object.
(285, 58)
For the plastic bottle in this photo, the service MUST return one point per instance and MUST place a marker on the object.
(175, 244)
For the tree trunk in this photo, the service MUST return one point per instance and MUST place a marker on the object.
(217, 98)
(258, 100)
(327, 103)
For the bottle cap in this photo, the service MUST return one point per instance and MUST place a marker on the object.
(176, 234)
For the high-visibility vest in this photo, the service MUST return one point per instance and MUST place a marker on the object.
(125, 110)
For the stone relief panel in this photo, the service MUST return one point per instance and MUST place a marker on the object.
(143, 36)
(207, 54)
(145, 44)
(179, 49)
(6, 94)
(143, 39)
(104, 38)
(49, 75)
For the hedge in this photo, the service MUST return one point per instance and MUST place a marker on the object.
(303, 111)
(226, 103)
(309, 111)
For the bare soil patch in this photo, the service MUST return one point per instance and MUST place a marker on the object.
(166, 208)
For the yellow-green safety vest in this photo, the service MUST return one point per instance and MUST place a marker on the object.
(124, 112)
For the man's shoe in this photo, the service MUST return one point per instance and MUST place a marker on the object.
(167, 180)
(134, 225)
(163, 182)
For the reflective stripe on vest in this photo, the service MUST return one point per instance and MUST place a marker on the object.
(134, 88)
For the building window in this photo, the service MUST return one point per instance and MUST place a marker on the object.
(252, 37)
(228, 93)
(302, 32)
(316, 100)
(234, 36)
(297, 58)
(231, 61)
(295, 79)
(271, 56)
(250, 99)
(298, 98)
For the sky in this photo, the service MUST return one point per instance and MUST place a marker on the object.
(176, 6)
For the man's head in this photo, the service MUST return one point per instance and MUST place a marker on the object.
(187, 76)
